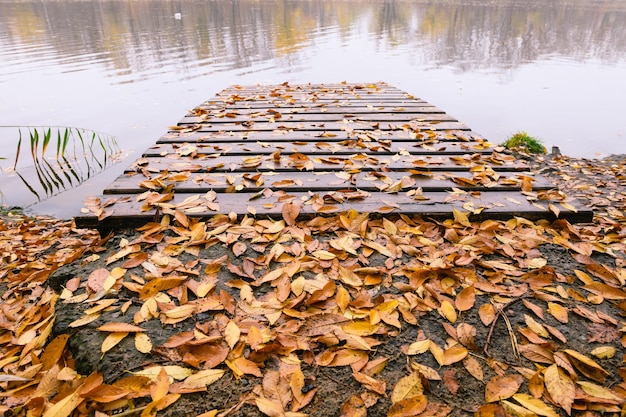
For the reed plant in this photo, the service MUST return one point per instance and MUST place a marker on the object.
(78, 155)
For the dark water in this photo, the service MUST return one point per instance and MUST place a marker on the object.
(554, 68)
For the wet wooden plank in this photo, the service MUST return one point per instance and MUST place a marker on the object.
(277, 117)
(323, 162)
(416, 138)
(348, 125)
(323, 181)
(318, 146)
(438, 206)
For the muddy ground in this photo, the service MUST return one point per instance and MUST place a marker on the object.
(599, 184)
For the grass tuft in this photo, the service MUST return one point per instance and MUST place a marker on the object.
(522, 141)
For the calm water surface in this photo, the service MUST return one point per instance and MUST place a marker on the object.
(554, 68)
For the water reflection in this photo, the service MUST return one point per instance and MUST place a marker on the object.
(555, 68)
(135, 40)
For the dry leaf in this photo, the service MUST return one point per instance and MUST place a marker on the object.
(560, 386)
(407, 387)
(501, 387)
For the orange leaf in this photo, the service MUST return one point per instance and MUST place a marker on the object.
(454, 354)
(120, 327)
(408, 407)
(466, 298)
(160, 387)
(487, 314)
(290, 212)
(370, 383)
(354, 407)
(53, 351)
(501, 387)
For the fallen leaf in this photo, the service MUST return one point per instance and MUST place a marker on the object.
(501, 387)
(560, 386)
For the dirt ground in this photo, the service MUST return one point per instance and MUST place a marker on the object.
(536, 288)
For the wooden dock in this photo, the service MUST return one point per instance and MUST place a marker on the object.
(325, 149)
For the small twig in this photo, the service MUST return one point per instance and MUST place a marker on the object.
(514, 344)
(493, 325)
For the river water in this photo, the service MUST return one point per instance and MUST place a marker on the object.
(130, 68)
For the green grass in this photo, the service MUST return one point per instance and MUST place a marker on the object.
(522, 141)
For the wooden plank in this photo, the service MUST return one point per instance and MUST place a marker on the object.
(320, 146)
(325, 126)
(332, 108)
(319, 104)
(193, 136)
(489, 205)
(320, 181)
(327, 162)
(319, 117)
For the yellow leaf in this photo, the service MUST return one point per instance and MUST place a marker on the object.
(232, 334)
(175, 371)
(111, 340)
(143, 343)
(447, 310)
(598, 391)
(407, 387)
(269, 408)
(501, 387)
(535, 326)
(426, 371)
(85, 320)
(437, 353)
(324, 255)
(535, 405)
(517, 410)
(202, 378)
(560, 387)
(350, 278)
(558, 312)
(417, 348)
(65, 407)
(587, 366)
(461, 217)
(180, 312)
(604, 352)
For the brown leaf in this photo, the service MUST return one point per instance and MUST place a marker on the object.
(450, 380)
(408, 407)
(354, 407)
(491, 410)
(560, 387)
(370, 383)
(473, 367)
(587, 366)
(120, 327)
(290, 212)
(487, 313)
(466, 298)
(501, 387)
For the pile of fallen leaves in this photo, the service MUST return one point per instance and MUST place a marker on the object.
(349, 315)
